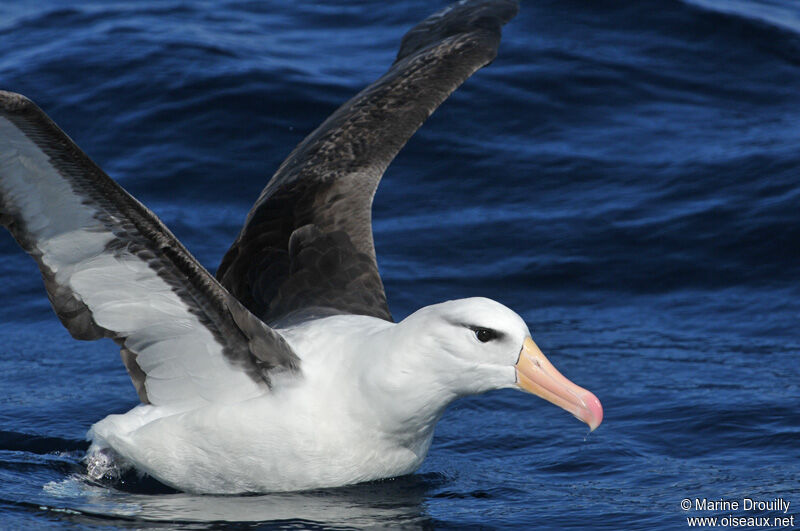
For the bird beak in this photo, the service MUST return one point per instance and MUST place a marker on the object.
(537, 375)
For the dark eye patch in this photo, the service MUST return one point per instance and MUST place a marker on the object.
(485, 335)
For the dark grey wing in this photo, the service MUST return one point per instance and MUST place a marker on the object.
(306, 247)
(112, 269)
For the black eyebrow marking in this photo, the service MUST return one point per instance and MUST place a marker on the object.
(496, 334)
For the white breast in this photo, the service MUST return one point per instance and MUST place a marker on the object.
(320, 430)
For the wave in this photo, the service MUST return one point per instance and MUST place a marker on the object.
(783, 15)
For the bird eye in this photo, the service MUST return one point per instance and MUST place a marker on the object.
(485, 335)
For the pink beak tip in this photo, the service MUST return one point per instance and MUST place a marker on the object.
(595, 410)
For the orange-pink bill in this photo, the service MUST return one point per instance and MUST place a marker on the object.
(537, 375)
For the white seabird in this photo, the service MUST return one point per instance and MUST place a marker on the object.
(285, 372)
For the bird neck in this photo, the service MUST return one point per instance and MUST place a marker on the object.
(404, 394)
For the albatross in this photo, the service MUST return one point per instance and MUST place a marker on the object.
(286, 371)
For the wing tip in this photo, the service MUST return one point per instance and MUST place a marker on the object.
(461, 17)
(11, 102)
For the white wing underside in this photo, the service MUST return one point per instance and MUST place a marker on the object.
(181, 358)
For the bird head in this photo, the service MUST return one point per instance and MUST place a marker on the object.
(474, 345)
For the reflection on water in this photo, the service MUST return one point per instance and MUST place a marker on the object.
(391, 502)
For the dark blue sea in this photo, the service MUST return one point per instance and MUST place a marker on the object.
(625, 175)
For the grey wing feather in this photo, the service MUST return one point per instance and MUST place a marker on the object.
(111, 269)
(306, 248)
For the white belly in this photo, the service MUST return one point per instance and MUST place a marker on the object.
(328, 427)
(251, 447)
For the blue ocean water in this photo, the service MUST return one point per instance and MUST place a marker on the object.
(625, 175)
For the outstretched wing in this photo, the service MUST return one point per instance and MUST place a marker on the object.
(112, 269)
(306, 247)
